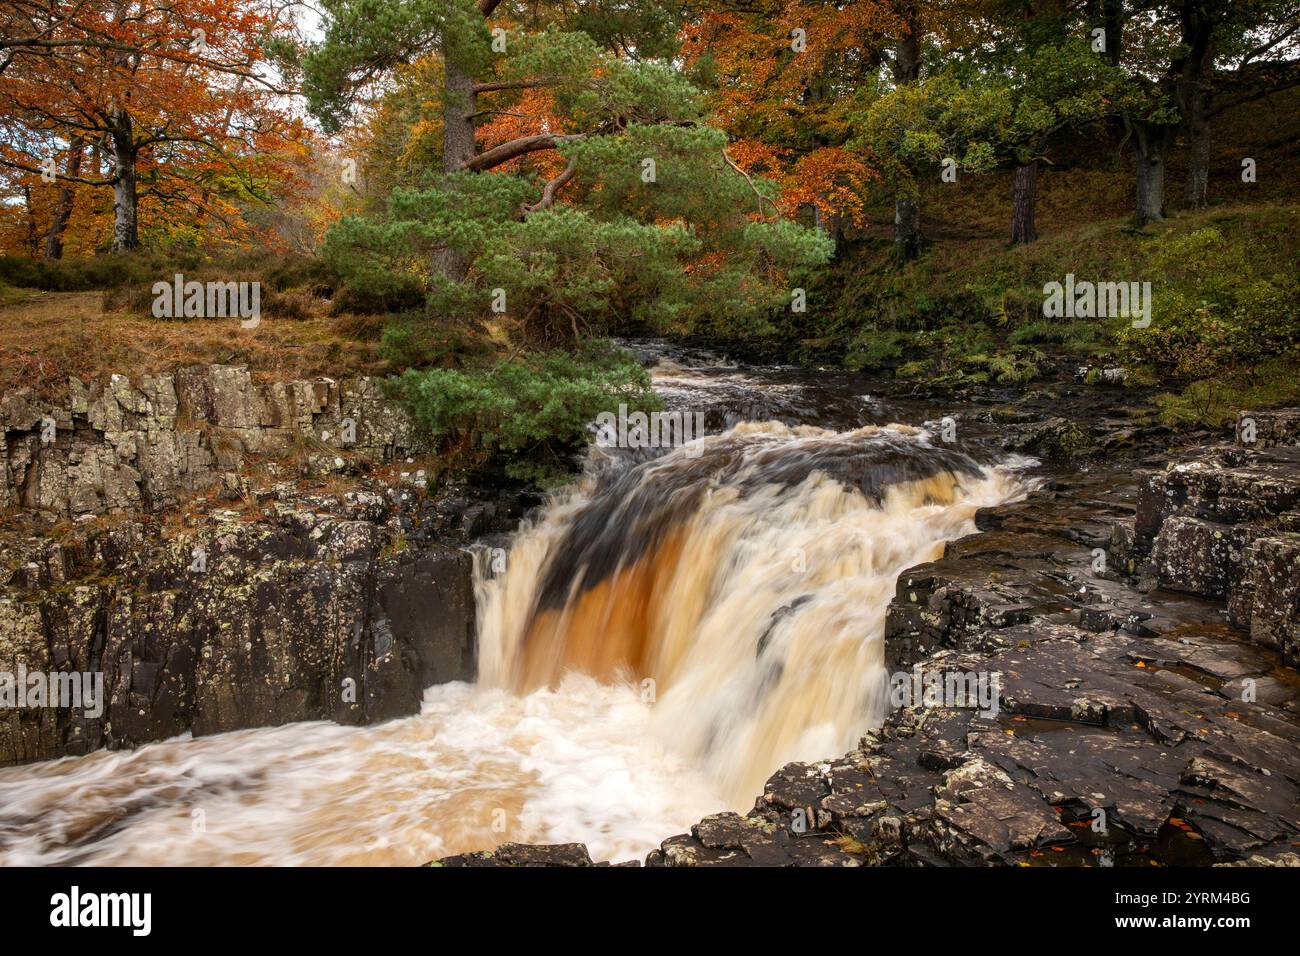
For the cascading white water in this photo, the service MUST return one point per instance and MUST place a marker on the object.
(747, 600)
(664, 637)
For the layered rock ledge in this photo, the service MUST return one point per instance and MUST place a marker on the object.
(119, 447)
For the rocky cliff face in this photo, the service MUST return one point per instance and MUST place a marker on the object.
(115, 447)
(150, 538)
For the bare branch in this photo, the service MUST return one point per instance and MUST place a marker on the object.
(494, 85)
(515, 148)
(551, 188)
(761, 197)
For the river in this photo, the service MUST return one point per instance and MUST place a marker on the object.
(669, 630)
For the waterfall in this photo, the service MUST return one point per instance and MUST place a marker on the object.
(740, 587)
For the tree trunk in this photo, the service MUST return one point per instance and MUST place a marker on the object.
(1022, 205)
(907, 69)
(126, 235)
(458, 147)
(1195, 94)
(829, 224)
(31, 241)
(1197, 190)
(1151, 142)
(1112, 12)
(63, 209)
(459, 99)
(907, 229)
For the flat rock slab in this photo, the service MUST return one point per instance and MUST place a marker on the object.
(522, 854)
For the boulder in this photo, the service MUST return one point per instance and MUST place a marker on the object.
(521, 854)
(1054, 438)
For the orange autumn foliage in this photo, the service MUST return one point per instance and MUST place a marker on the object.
(185, 83)
(783, 75)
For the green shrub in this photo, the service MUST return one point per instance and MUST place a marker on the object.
(956, 342)
(301, 274)
(287, 274)
(412, 340)
(137, 298)
(873, 349)
(1055, 332)
(1213, 403)
(82, 275)
(1221, 304)
(1010, 368)
(527, 411)
(372, 300)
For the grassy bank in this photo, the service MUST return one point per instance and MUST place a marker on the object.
(1224, 300)
(520, 414)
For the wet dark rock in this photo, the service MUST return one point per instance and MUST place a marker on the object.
(1269, 856)
(727, 839)
(1098, 757)
(1271, 427)
(174, 534)
(315, 605)
(1054, 438)
(981, 816)
(521, 854)
(1224, 484)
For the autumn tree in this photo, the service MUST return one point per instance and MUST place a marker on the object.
(783, 81)
(173, 95)
(591, 191)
